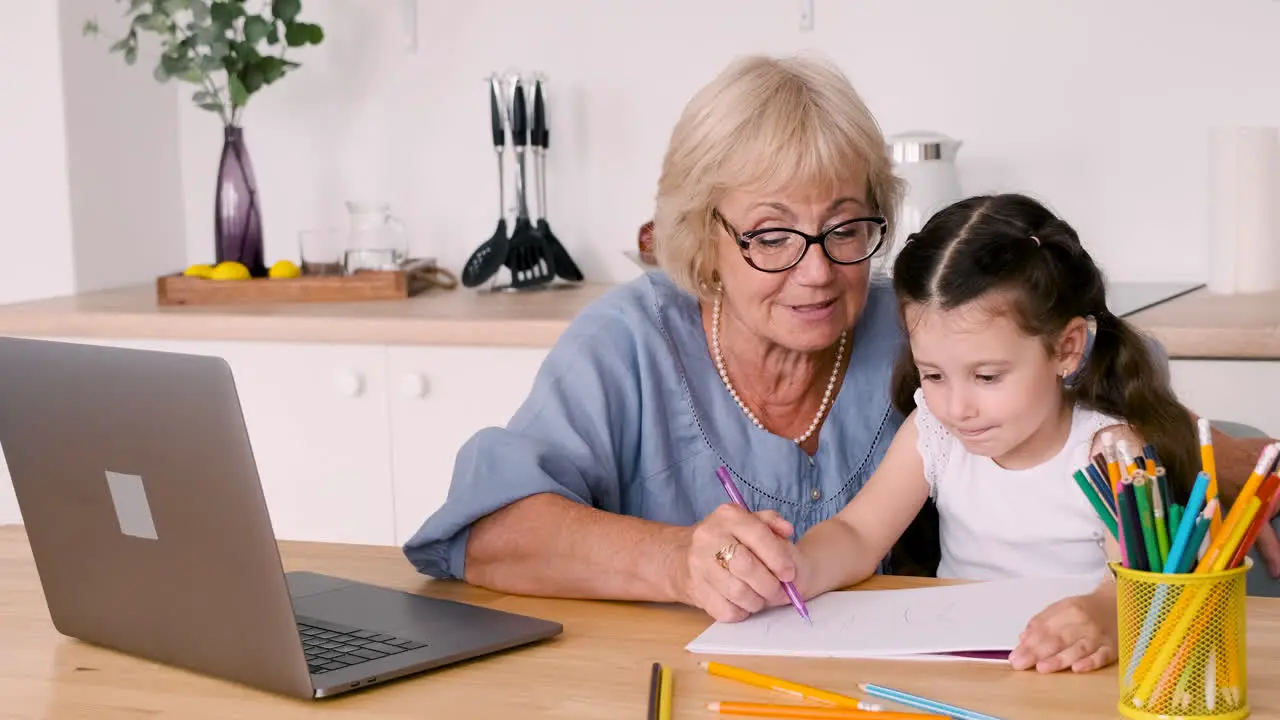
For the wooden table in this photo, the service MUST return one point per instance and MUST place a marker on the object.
(597, 670)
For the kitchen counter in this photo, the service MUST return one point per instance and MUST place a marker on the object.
(1199, 325)
(436, 317)
(1205, 326)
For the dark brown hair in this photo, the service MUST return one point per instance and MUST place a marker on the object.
(1015, 245)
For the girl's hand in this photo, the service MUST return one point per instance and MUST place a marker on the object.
(761, 555)
(1077, 633)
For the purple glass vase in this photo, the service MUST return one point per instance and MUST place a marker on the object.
(237, 215)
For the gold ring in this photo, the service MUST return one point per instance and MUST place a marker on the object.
(725, 554)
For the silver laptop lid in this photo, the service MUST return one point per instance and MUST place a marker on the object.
(138, 489)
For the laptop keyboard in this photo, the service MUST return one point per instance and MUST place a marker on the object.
(333, 647)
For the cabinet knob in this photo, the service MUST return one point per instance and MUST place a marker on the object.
(413, 385)
(350, 384)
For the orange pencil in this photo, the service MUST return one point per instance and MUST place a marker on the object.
(784, 686)
(1269, 494)
(1209, 466)
(1113, 465)
(807, 712)
(1249, 490)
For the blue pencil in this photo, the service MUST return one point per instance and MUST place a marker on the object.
(1103, 486)
(920, 703)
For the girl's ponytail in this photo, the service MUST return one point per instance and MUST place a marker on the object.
(1122, 377)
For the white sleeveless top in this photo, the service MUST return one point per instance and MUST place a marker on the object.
(1001, 524)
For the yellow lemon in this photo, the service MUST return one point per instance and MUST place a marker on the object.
(198, 270)
(230, 270)
(284, 269)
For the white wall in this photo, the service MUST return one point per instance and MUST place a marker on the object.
(1102, 107)
(124, 170)
(90, 176)
(35, 223)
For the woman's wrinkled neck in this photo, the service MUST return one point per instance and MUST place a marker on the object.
(764, 372)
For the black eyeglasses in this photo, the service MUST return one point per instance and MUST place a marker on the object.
(778, 249)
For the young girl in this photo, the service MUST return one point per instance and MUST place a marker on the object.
(1014, 372)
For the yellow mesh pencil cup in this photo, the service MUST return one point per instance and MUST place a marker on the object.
(1182, 644)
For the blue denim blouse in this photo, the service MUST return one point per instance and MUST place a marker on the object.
(628, 414)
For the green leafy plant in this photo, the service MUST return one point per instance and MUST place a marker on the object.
(229, 49)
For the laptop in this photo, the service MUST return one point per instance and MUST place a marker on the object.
(142, 503)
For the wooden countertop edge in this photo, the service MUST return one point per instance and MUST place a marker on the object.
(1216, 343)
(1187, 326)
(503, 332)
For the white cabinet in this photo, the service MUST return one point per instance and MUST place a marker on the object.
(440, 397)
(1240, 391)
(356, 443)
(317, 419)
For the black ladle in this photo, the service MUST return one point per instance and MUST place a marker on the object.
(565, 267)
(489, 257)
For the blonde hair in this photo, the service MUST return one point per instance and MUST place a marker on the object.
(766, 123)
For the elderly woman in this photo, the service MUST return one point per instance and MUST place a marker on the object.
(765, 345)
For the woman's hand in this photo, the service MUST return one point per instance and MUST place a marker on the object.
(1077, 633)
(761, 557)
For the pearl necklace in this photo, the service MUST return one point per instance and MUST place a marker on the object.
(724, 376)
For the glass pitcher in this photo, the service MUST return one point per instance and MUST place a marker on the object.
(378, 240)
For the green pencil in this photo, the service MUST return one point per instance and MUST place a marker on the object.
(1143, 495)
(1157, 513)
(1099, 506)
(1175, 519)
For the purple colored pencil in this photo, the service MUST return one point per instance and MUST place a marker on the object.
(729, 487)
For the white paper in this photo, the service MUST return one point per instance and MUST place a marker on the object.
(1244, 225)
(917, 623)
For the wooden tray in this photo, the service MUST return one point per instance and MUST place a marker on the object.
(415, 277)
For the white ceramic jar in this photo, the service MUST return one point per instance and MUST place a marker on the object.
(926, 161)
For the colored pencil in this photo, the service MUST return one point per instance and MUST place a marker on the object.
(1103, 486)
(655, 689)
(1113, 465)
(809, 712)
(1130, 535)
(1149, 451)
(1201, 531)
(665, 697)
(1209, 466)
(1099, 506)
(1138, 546)
(1158, 519)
(1185, 527)
(1247, 492)
(784, 686)
(1128, 463)
(925, 704)
(1143, 495)
(1175, 520)
(730, 488)
(1269, 495)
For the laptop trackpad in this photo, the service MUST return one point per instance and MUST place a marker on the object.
(409, 616)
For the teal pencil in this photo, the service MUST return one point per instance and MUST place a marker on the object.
(1099, 506)
(1147, 520)
(1198, 533)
